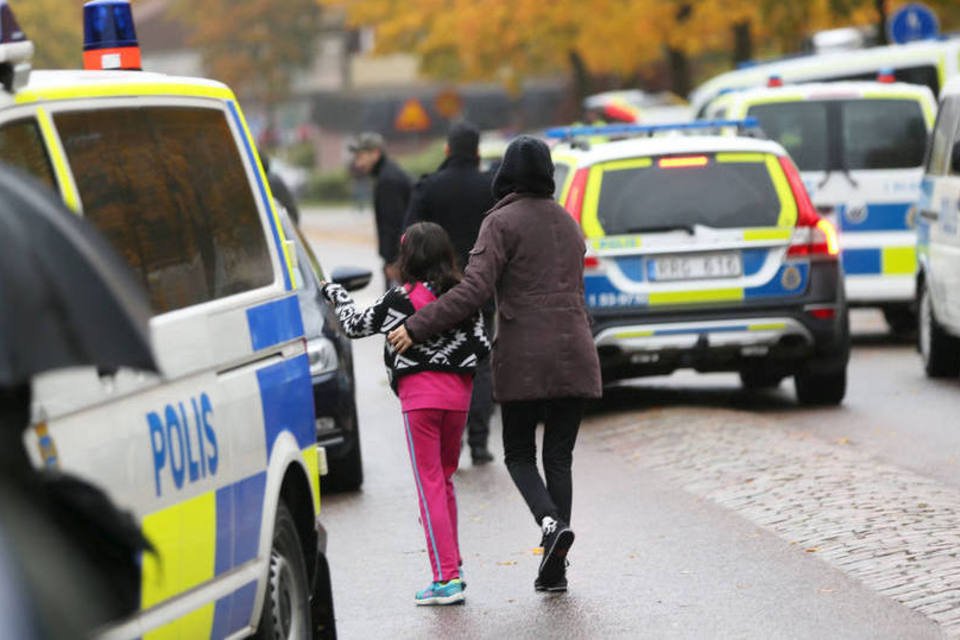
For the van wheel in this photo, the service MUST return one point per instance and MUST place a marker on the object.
(939, 350)
(346, 474)
(821, 388)
(759, 380)
(901, 319)
(286, 606)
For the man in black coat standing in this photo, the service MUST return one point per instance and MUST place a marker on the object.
(391, 195)
(457, 197)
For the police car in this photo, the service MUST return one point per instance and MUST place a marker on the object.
(705, 252)
(860, 148)
(217, 455)
(938, 243)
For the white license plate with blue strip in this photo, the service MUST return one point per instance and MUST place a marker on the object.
(703, 266)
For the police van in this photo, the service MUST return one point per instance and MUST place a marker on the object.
(929, 63)
(938, 243)
(860, 148)
(216, 456)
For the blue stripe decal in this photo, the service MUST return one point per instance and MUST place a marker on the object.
(268, 205)
(775, 289)
(275, 323)
(862, 261)
(632, 267)
(239, 514)
(233, 612)
(753, 261)
(879, 217)
(423, 498)
(286, 394)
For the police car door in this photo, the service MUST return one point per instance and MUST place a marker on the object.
(939, 231)
(173, 184)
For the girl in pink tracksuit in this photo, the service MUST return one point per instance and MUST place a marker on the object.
(434, 381)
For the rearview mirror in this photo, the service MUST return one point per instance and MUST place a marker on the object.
(351, 278)
(955, 159)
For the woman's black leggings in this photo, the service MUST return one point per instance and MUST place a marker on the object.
(561, 418)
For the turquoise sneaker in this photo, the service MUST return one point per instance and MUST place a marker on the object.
(442, 593)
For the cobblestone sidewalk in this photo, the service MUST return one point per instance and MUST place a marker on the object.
(896, 531)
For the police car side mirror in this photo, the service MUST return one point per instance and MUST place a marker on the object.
(955, 159)
(351, 278)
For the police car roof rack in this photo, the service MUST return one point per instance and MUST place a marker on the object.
(575, 136)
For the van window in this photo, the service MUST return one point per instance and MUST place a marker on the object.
(800, 127)
(883, 134)
(560, 173)
(721, 195)
(943, 136)
(21, 145)
(168, 188)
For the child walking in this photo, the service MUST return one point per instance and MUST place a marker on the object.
(434, 381)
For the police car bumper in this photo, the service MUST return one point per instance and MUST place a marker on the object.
(779, 342)
(864, 290)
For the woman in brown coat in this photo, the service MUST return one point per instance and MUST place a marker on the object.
(529, 254)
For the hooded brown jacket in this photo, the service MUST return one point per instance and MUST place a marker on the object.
(529, 254)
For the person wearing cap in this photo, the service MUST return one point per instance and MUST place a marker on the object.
(391, 195)
(457, 197)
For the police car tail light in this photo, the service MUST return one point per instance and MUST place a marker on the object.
(591, 263)
(813, 235)
(574, 201)
(109, 36)
(775, 81)
(886, 76)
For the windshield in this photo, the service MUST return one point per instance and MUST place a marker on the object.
(847, 134)
(720, 194)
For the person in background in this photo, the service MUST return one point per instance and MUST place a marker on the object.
(457, 197)
(530, 254)
(391, 196)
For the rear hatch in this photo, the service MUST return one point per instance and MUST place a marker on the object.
(693, 231)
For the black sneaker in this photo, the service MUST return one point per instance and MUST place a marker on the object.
(480, 455)
(557, 540)
(556, 587)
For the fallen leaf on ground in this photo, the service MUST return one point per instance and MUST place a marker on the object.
(507, 563)
(537, 551)
(812, 549)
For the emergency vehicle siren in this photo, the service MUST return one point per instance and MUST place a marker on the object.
(109, 36)
(886, 76)
(774, 81)
(16, 51)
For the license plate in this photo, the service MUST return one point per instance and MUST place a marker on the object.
(700, 267)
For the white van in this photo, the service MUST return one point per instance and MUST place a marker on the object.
(930, 63)
(938, 243)
(860, 148)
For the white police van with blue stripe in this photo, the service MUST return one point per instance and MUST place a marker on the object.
(860, 148)
(217, 455)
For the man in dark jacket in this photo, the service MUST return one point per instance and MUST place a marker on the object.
(457, 197)
(391, 195)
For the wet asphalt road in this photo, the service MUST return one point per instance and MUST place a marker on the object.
(701, 510)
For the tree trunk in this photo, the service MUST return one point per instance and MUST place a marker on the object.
(679, 65)
(881, 6)
(582, 85)
(742, 42)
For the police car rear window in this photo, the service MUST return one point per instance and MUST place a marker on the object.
(168, 188)
(22, 147)
(825, 135)
(690, 191)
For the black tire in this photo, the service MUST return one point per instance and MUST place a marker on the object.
(901, 319)
(817, 387)
(286, 605)
(759, 380)
(939, 350)
(346, 474)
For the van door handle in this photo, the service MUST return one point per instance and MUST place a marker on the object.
(932, 216)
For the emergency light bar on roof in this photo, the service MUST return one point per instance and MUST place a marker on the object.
(109, 36)
(747, 125)
(15, 51)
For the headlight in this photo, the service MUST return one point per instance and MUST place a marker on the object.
(322, 355)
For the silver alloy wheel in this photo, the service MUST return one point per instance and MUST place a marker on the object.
(287, 600)
(925, 327)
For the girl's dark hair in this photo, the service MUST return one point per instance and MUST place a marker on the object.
(426, 255)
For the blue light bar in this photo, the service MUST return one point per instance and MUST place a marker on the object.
(565, 133)
(109, 36)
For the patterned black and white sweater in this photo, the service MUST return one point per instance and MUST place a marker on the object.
(455, 351)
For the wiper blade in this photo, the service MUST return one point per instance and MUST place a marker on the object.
(689, 228)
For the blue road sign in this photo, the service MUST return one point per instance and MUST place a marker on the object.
(913, 21)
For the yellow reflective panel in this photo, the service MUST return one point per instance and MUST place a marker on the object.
(772, 326)
(68, 187)
(766, 234)
(632, 163)
(788, 206)
(591, 199)
(899, 260)
(184, 536)
(690, 297)
(740, 157)
(78, 91)
(313, 474)
(633, 334)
